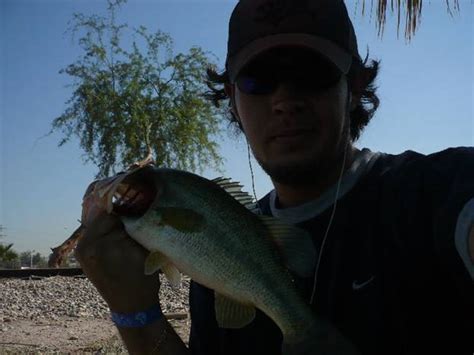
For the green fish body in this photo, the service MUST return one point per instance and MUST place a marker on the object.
(204, 229)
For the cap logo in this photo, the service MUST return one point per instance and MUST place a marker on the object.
(275, 11)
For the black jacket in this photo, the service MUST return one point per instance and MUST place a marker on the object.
(390, 278)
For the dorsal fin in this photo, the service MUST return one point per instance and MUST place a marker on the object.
(235, 190)
(295, 245)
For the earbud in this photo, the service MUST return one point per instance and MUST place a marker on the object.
(350, 102)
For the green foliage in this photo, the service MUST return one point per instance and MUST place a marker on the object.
(7, 255)
(10, 259)
(39, 261)
(130, 102)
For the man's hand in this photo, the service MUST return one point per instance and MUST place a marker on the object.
(114, 263)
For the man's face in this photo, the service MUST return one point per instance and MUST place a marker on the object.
(299, 130)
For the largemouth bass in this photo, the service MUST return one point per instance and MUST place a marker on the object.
(206, 230)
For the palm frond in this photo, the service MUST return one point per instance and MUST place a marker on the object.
(412, 10)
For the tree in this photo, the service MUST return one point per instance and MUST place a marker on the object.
(34, 259)
(26, 258)
(412, 10)
(39, 261)
(7, 254)
(130, 103)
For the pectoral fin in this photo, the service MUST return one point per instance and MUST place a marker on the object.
(182, 219)
(156, 261)
(231, 314)
(295, 245)
(172, 274)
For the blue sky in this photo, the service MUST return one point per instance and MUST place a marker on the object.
(425, 87)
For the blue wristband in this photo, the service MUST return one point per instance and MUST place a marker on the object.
(138, 319)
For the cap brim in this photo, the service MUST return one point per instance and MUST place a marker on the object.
(331, 51)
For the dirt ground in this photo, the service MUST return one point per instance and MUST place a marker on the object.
(68, 336)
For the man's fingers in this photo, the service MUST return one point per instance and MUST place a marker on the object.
(102, 225)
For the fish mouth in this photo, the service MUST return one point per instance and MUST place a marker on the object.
(127, 194)
(134, 193)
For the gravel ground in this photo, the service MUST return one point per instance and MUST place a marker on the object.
(67, 315)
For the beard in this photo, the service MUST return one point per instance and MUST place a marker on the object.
(302, 173)
(316, 168)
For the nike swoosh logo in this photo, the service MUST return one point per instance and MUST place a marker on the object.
(357, 285)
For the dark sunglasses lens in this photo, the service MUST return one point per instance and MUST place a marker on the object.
(254, 85)
(303, 70)
(308, 81)
(320, 81)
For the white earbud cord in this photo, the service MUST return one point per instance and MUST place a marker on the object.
(329, 225)
(253, 180)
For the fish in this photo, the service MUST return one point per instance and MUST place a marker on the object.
(208, 230)
(92, 205)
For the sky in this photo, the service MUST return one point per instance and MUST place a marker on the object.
(425, 88)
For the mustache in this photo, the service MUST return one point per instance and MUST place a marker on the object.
(290, 129)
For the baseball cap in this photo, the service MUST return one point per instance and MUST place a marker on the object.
(321, 25)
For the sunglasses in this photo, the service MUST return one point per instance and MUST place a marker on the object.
(303, 70)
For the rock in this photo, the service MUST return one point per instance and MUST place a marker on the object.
(55, 297)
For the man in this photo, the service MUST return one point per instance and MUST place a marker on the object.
(394, 232)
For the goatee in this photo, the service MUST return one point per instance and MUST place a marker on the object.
(307, 172)
(298, 174)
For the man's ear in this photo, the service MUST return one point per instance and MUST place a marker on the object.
(354, 99)
(355, 93)
(359, 83)
(229, 90)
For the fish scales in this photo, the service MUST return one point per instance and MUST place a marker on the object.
(218, 224)
(226, 254)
